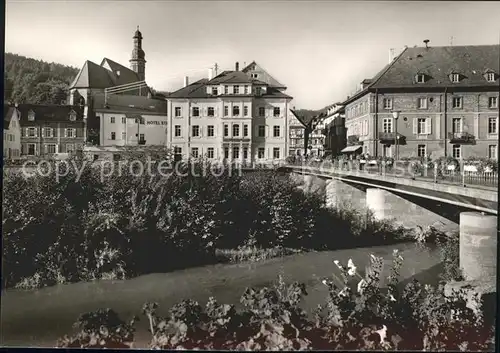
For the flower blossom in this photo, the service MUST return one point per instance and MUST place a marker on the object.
(382, 333)
(362, 285)
(343, 292)
(351, 267)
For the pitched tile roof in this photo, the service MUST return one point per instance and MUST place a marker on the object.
(438, 63)
(271, 81)
(92, 75)
(129, 103)
(49, 112)
(198, 89)
(471, 62)
(7, 114)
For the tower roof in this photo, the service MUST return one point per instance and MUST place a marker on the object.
(138, 33)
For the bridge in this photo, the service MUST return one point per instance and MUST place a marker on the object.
(412, 199)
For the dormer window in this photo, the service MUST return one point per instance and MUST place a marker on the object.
(72, 116)
(215, 90)
(420, 78)
(31, 115)
(254, 76)
(490, 77)
(454, 77)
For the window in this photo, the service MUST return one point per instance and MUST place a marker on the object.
(48, 132)
(260, 153)
(226, 110)
(70, 132)
(236, 110)
(226, 89)
(50, 149)
(421, 126)
(492, 125)
(493, 102)
(457, 102)
(194, 152)
(236, 130)
(124, 135)
(245, 130)
(215, 90)
(276, 131)
(113, 135)
(276, 111)
(456, 125)
(420, 78)
(490, 77)
(455, 78)
(492, 151)
(387, 103)
(141, 137)
(421, 151)
(70, 148)
(210, 152)
(31, 149)
(245, 152)
(177, 130)
(262, 131)
(112, 120)
(211, 111)
(258, 91)
(276, 152)
(254, 75)
(31, 115)
(236, 89)
(178, 112)
(262, 111)
(245, 110)
(178, 150)
(226, 152)
(32, 132)
(387, 125)
(365, 124)
(236, 152)
(226, 130)
(457, 151)
(124, 120)
(246, 89)
(72, 116)
(195, 131)
(196, 111)
(210, 130)
(422, 103)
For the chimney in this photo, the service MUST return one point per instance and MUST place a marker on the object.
(426, 41)
(237, 67)
(210, 74)
(391, 55)
(118, 73)
(186, 81)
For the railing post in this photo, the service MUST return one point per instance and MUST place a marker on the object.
(435, 172)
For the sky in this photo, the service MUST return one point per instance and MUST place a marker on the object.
(320, 50)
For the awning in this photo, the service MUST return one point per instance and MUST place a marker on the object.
(351, 149)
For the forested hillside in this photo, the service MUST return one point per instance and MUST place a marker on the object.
(34, 81)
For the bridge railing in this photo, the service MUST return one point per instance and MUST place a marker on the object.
(435, 175)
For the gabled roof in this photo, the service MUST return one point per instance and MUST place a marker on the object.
(129, 103)
(7, 116)
(126, 75)
(102, 76)
(232, 77)
(49, 112)
(254, 67)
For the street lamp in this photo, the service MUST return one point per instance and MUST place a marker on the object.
(395, 115)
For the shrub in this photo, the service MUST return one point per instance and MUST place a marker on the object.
(358, 314)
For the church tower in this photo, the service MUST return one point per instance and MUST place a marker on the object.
(138, 63)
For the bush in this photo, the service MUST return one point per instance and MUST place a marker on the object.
(85, 227)
(358, 315)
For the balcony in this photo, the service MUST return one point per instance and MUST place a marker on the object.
(461, 138)
(389, 138)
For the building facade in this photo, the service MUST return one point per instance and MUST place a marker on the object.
(335, 132)
(447, 102)
(296, 136)
(47, 130)
(236, 115)
(11, 133)
(131, 120)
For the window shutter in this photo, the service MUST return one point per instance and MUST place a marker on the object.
(428, 127)
(46, 149)
(461, 124)
(415, 126)
(267, 131)
(65, 132)
(36, 132)
(201, 131)
(205, 111)
(217, 111)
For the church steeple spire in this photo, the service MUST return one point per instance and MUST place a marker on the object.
(137, 62)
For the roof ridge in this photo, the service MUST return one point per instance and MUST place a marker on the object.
(391, 64)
